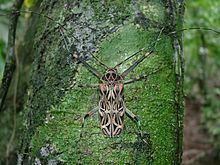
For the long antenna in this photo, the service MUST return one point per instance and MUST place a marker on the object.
(31, 12)
(97, 59)
(125, 73)
(43, 15)
(170, 33)
(62, 26)
(129, 57)
(89, 67)
(154, 43)
(195, 28)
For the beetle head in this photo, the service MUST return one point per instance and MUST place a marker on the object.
(111, 75)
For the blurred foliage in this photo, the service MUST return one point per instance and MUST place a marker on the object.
(6, 5)
(28, 3)
(4, 1)
(8, 121)
(204, 13)
(2, 56)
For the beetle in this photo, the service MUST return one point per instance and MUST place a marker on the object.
(111, 106)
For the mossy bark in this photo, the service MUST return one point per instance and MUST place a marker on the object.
(111, 30)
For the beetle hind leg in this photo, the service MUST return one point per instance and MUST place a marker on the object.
(89, 114)
(135, 119)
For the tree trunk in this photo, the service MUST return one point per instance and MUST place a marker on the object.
(111, 31)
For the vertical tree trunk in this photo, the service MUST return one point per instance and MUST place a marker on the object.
(111, 30)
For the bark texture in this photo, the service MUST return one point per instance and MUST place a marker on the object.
(111, 30)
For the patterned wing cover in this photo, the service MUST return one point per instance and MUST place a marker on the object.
(111, 109)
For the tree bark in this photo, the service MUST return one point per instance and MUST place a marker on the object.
(111, 31)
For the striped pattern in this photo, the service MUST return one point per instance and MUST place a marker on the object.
(111, 104)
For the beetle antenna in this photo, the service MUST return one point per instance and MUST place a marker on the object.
(173, 32)
(195, 28)
(142, 49)
(53, 20)
(97, 59)
(152, 48)
(129, 57)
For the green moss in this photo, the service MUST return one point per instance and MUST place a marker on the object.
(150, 10)
(114, 10)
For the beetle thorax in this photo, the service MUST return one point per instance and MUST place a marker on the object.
(111, 76)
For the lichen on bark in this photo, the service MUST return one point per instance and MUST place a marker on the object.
(111, 31)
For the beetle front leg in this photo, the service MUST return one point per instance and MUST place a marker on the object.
(141, 77)
(134, 79)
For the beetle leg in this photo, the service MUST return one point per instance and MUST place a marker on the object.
(133, 117)
(141, 77)
(136, 78)
(89, 114)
